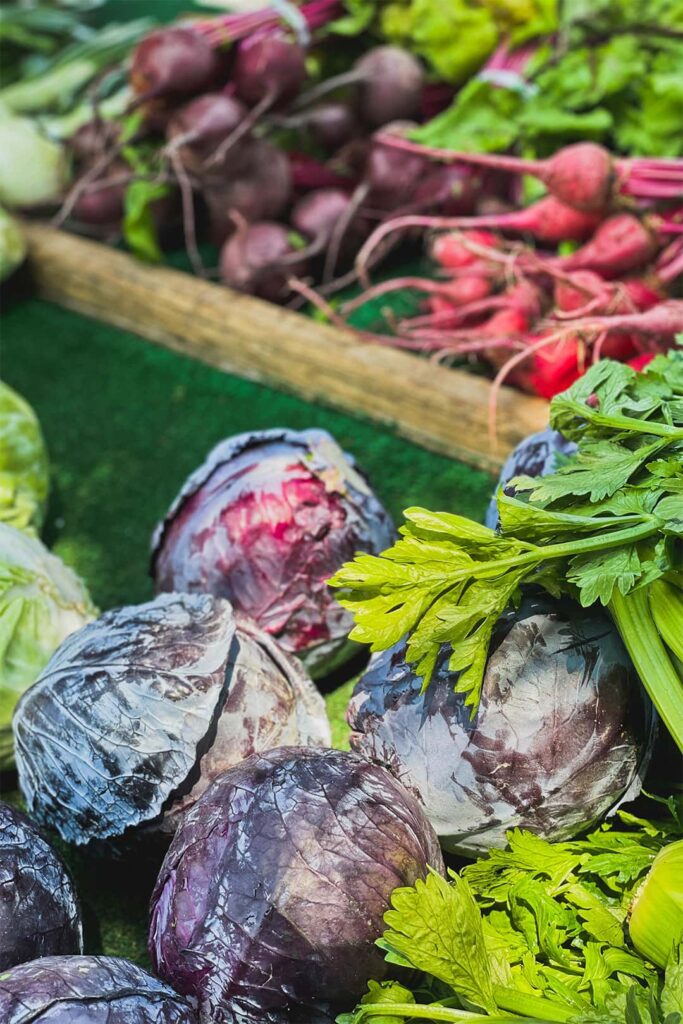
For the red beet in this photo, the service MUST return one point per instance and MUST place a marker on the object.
(173, 63)
(663, 321)
(93, 139)
(100, 202)
(255, 260)
(199, 127)
(390, 85)
(260, 188)
(269, 68)
(586, 292)
(331, 125)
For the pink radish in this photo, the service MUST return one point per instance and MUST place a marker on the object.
(620, 244)
(454, 251)
(661, 321)
(583, 175)
(548, 220)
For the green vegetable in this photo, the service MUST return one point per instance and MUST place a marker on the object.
(538, 931)
(603, 528)
(73, 68)
(12, 245)
(455, 38)
(612, 75)
(656, 919)
(41, 603)
(33, 170)
(24, 479)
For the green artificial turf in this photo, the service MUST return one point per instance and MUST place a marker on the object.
(125, 422)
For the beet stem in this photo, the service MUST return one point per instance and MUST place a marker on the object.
(189, 223)
(241, 130)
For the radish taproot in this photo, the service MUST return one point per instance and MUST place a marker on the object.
(584, 175)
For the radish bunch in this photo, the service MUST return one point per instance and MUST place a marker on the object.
(504, 295)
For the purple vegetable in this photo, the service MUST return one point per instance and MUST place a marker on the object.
(331, 125)
(563, 733)
(265, 522)
(537, 455)
(269, 68)
(199, 127)
(257, 187)
(155, 699)
(272, 894)
(39, 912)
(88, 990)
(260, 258)
(390, 85)
(174, 63)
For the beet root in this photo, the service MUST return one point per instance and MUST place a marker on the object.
(259, 259)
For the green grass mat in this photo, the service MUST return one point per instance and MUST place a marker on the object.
(125, 422)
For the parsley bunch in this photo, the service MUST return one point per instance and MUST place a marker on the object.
(538, 930)
(606, 527)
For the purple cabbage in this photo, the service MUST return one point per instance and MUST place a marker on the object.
(265, 522)
(88, 990)
(273, 891)
(136, 712)
(537, 455)
(39, 911)
(563, 734)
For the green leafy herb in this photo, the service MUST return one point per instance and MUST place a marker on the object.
(538, 930)
(612, 75)
(604, 527)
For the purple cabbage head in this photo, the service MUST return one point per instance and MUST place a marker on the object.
(39, 911)
(273, 891)
(563, 733)
(265, 522)
(136, 712)
(88, 990)
(537, 455)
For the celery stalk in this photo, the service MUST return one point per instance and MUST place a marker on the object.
(656, 669)
(666, 605)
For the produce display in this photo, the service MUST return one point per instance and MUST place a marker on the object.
(534, 151)
(356, 774)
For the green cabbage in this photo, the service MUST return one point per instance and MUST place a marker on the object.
(12, 245)
(23, 463)
(41, 603)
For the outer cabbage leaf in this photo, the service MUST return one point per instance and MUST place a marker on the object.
(23, 462)
(273, 891)
(96, 989)
(41, 603)
(39, 912)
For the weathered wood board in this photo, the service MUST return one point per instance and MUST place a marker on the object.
(442, 409)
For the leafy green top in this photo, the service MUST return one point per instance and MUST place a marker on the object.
(537, 930)
(609, 521)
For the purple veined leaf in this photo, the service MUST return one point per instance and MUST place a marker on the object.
(563, 733)
(265, 522)
(135, 713)
(88, 990)
(273, 891)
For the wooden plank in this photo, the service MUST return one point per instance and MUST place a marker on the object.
(442, 409)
